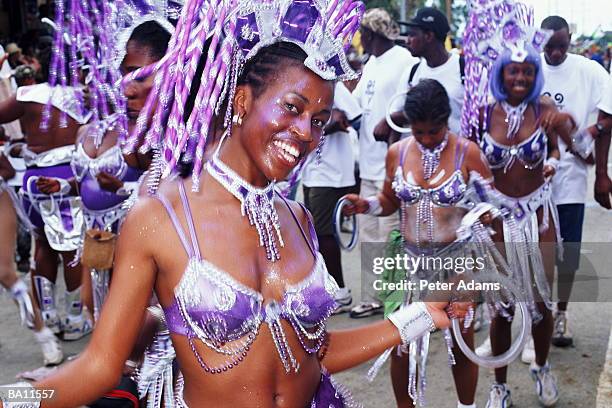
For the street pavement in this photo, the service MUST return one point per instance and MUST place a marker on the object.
(578, 368)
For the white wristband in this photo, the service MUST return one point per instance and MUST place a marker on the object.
(374, 207)
(552, 162)
(412, 321)
(64, 186)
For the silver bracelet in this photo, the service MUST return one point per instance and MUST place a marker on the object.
(412, 321)
(374, 207)
(27, 397)
(582, 143)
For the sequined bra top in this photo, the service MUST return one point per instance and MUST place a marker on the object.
(530, 152)
(226, 315)
(111, 162)
(447, 194)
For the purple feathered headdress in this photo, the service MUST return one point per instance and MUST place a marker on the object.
(237, 30)
(494, 28)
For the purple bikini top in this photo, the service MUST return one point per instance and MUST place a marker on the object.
(213, 306)
(446, 194)
(530, 152)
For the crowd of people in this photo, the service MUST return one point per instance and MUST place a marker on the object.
(180, 124)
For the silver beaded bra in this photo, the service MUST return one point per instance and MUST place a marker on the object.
(225, 315)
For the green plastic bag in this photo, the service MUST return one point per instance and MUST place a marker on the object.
(393, 299)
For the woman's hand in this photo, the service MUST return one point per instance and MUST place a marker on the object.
(548, 171)
(109, 182)
(48, 185)
(443, 312)
(357, 205)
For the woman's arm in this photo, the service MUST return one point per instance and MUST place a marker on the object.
(6, 169)
(99, 367)
(475, 161)
(389, 203)
(11, 109)
(351, 347)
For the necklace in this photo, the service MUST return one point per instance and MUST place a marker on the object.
(430, 159)
(514, 117)
(256, 203)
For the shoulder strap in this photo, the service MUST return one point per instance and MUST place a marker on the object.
(403, 153)
(189, 217)
(313, 242)
(177, 224)
(413, 71)
(462, 68)
(462, 145)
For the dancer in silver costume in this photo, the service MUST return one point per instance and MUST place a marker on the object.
(240, 294)
(10, 210)
(427, 178)
(57, 219)
(518, 136)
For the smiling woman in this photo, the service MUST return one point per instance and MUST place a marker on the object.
(246, 298)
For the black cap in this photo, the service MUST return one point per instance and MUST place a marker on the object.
(431, 19)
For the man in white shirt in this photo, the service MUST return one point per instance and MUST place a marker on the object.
(426, 36)
(603, 183)
(326, 178)
(377, 86)
(576, 85)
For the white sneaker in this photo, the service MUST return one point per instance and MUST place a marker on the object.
(484, 350)
(546, 384)
(499, 396)
(562, 336)
(52, 321)
(343, 300)
(50, 345)
(77, 327)
(528, 354)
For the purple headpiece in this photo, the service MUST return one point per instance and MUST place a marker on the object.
(237, 30)
(494, 27)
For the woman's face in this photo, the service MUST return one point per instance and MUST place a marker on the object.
(519, 79)
(136, 91)
(429, 134)
(285, 122)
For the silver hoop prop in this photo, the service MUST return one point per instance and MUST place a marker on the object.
(465, 231)
(337, 223)
(516, 347)
(390, 122)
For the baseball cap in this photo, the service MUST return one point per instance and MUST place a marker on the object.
(12, 48)
(431, 19)
(379, 21)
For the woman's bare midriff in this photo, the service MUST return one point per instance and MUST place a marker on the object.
(258, 381)
(518, 181)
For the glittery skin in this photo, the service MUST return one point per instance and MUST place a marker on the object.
(211, 306)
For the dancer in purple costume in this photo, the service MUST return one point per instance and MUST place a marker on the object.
(427, 178)
(517, 134)
(57, 219)
(10, 210)
(185, 244)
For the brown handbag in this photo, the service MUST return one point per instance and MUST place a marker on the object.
(98, 249)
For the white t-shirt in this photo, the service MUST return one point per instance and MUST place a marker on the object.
(374, 91)
(577, 86)
(336, 167)
(449, 76)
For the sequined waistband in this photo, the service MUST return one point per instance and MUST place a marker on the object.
(53, 157)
